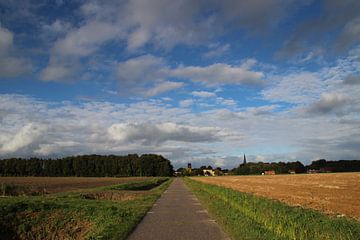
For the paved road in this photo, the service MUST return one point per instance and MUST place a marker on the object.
(177, 215)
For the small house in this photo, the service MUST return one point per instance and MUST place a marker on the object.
(208, 172)
(270, 172)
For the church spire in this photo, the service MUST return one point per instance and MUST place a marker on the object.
(244, 160)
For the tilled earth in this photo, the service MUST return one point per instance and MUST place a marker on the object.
(64, 184)
(335, 193)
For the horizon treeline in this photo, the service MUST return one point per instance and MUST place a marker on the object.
(88, 166)
(320, 165)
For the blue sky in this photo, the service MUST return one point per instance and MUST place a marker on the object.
(197, 81)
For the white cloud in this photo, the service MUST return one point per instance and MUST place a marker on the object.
(10, 64)
(32, 127)
(159, 133)
(163, 87)
(6, 40)
(226, 102)
(60, 70)
(57, 27)
(302, 87)
(85, 40)
(352, 80)
(203, 94)
(186, 103)
(217, 50)
(25, 136)
(135, 74)
(219, 74)
(262, 109)
(328, 103)
(142, 69)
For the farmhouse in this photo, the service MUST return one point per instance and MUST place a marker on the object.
(270, 172)
(209, 172)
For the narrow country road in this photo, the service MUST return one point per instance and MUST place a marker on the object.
(177, 215)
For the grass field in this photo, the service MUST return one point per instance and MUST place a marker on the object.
(246, 216)
(333, 194)
(107, 212)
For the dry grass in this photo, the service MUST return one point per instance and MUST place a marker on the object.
(336, 193)
(64, 184)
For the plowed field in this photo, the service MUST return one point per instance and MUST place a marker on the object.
(335, 193)
(64, 184)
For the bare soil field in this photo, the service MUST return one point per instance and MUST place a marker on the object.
(64, 184)
(334, 193)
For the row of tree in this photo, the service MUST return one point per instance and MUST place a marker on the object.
(260, 167)
(89, 166)
(285, 167)
(335, 166)
(200, 171)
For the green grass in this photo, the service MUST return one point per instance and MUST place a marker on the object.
(66, 215)
(139, 186)
(245, 216)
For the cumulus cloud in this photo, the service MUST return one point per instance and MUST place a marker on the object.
(203, 94)
(262, 110)
(85, 40)
(186, 103)
(159, 133)
(10, 64)
(25, 136)
(33, 127)
(220, 74)
(352, 80)
(60, 70)
(328, 103)
(135, 74)
(142, 69)
(160, 24)
(163, 87)
(148, 67)
(350, 35)
(341, 18)
(216, 50)
(301, 87)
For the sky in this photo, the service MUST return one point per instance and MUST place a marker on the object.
(199, 81)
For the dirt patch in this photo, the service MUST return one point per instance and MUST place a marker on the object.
(335, 194)
(51, 225)
(112, 195)
(63, 184)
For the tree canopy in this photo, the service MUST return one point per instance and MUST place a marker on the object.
(89, 166)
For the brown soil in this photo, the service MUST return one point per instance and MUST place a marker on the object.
(113, 195)
(64, 184)
(54, 225)
(335, 193)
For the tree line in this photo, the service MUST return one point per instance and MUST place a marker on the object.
(335, 166)
(89, 166)
(260, 167)
(286, 167)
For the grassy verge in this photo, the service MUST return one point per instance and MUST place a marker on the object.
(71, 216)
(245, 216)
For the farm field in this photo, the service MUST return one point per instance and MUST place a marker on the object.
(103, 212)
(248, 216)
(335, 193)
(64, 184)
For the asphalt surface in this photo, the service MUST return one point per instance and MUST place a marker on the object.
(177, 214)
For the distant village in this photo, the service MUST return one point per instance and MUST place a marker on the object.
(273, 168)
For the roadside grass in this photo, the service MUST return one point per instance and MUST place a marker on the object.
(70, 216)
(245, 216)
